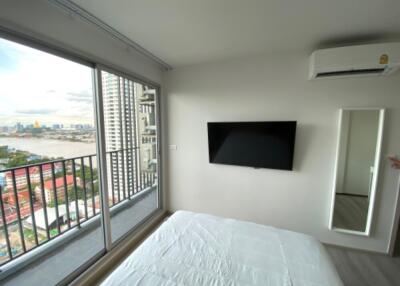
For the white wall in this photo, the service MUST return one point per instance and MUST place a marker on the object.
(42, 20)
(273, 88)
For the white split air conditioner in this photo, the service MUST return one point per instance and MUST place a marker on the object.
(363, 60)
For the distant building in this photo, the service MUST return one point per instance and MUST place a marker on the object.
(52, 218)
(34, 175)
(4, 129)
(62, 215)
(129, 113)
(9, 197)
(76, 126)
(24, 206)
(33, 158)
(36, 125)
(11, 149)
(60, 189)
(119, 110)
(19, 127)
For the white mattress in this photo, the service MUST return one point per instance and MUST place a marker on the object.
(199, 249)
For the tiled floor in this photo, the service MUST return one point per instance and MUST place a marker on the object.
(52, 268)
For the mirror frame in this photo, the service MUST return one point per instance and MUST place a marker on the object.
(377, 160)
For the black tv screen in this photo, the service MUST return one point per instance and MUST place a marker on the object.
(253, 144)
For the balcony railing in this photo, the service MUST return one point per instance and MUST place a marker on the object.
(42, 201)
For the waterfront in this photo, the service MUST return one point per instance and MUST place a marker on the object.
(50, 148)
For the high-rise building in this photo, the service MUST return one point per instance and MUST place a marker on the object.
(147, 129)
(129, 115)
(19, 127)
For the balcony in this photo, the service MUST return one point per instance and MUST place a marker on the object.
(59, 200)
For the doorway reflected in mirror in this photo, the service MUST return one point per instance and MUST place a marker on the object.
(357, 168)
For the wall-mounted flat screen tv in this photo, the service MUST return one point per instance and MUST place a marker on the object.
(268, 144)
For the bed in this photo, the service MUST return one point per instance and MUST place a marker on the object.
(199, 249)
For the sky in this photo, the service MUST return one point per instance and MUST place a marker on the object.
(35, 85)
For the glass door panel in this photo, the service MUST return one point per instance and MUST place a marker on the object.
(130, 123)
(49, 191)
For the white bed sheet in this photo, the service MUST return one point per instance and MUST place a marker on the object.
(199, 249)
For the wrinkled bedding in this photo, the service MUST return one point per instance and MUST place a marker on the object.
(199, 249)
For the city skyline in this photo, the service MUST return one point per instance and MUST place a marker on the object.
(37, 86)
(54, 125)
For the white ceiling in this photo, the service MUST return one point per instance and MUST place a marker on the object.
(186, 32)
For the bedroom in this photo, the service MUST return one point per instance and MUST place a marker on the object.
(212, 62)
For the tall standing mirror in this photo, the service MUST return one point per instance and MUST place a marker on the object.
(356, 171)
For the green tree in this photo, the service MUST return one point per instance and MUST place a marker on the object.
(17, 159)
(3, 152)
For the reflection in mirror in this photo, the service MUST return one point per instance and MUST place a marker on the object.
(357, 169)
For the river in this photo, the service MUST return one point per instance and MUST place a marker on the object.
(50, 148)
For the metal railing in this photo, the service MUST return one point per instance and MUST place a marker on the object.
(41, 201)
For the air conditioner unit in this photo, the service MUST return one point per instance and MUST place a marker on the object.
(363, 60)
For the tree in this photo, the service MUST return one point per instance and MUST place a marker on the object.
(18, 159)
(3, 152)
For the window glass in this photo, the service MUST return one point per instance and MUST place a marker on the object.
(131, 144)
(48, 163)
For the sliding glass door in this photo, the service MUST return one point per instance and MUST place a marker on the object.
(79, 163)
(49, 188)
(131, 144)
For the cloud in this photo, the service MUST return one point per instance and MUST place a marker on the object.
(54, 90)
(40, 111)
(84, 96)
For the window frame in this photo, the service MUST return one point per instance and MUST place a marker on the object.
(97, 65)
